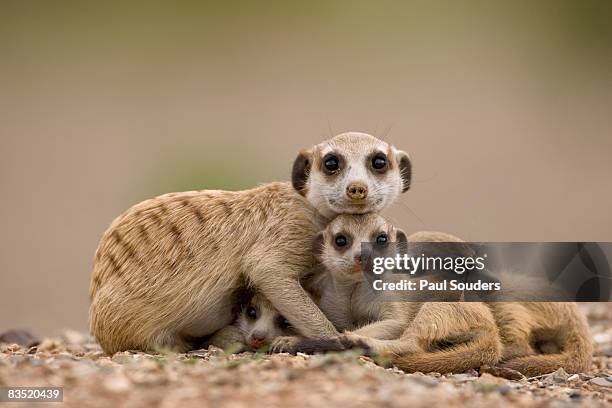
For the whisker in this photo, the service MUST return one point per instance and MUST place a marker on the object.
(393, 220)
(329, 127)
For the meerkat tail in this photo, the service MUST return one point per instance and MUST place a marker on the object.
(484, 350)
(575, 357)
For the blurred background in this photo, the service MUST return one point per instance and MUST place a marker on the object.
(504, 107)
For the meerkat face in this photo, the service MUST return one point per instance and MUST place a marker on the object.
(352, 173)
(261, 323)
(338, 247)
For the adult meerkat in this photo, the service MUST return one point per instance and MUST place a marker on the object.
(258, 324)
(433, 336)
(168, 269)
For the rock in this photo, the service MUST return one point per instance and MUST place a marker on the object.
(424, 380)
(74, 337)
(472, 373)
(574, 377)
(461, 377)
(602, 338)
(502, 372)
(117, 383)
(487, 378)
(17, 359)
(204, 353)
(558, 377)
(11, 348)
(602, 382)
(21, 337)
(123, 357)
(504, 389)
(138, 379)
(51, 346)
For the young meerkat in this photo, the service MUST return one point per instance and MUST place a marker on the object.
(537, 337)
(533, 338)
(258, 324)
(421, 336)
(169, 269)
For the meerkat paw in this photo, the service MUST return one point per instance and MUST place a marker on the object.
(352, 337)
(284, 344)
(354, 340)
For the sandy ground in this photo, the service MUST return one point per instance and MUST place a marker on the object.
(213, 378)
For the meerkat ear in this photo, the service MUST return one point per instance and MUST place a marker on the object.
(405, 168)
(301, 171)
(402, 242)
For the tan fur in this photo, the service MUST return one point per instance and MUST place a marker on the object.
(537, 337)
(411, 332)
(469, 328)
(168, 270)
(533, 338)
(541, 337)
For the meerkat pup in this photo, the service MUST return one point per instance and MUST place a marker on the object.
(533, 338)
(537, 337)
(435, 336)
(255, 328)
(169, 269)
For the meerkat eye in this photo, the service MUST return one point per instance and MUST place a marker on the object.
(251, 312)
(340, 240)
(382, 239)
(331, 163)
(379, 162)
(282, 323)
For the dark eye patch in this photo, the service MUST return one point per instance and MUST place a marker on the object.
(282, 323)
(251, 312)
(379, 162)
(382, 239)
(332, 163)
(342, 241)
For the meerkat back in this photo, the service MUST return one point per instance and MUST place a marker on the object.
(162, 255)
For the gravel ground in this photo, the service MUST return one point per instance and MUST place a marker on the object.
(213, 378)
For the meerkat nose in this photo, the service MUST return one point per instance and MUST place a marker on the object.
(357, 190)
(256, 343)
(257, 340)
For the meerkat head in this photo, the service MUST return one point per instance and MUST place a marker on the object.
(338, 246)
(260, 323)
(352, 173)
